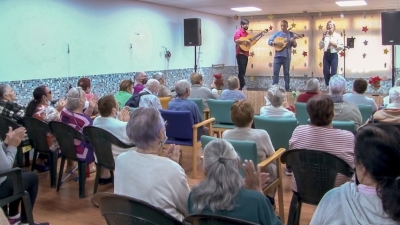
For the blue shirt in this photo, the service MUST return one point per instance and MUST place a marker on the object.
(180, 104)
(287, 51)
(232, 95)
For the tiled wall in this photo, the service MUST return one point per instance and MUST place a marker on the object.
(109, 83)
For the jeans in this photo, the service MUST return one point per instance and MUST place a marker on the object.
(242, 65)
(30, 181)
(278, 62)
(330, 66)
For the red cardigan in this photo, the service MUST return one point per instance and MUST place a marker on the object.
(303, 97)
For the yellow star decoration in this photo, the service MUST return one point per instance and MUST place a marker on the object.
(320, 64)
(293, 25)
(385, 51)
(294, 51)
(305, 41)
(251, 78)
(270, 16)
(320, 27)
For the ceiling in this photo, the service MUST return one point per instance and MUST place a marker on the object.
(223, 7)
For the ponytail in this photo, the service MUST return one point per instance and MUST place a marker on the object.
(37, 97)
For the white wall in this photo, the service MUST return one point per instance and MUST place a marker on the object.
(35, 35)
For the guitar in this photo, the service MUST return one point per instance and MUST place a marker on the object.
(284, 42)
(252, 39)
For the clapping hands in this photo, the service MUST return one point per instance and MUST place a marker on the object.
(14, 137)
(124, 114)
(173, 152)
(254, 179)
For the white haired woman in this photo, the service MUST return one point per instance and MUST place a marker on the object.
(223, 191)
(275, 97)
(390, 114)
(312, 88)
(144, 173)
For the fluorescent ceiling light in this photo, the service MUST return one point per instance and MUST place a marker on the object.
(351, 3)
(246, 9)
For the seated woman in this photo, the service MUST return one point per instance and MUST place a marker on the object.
(125, 93)
(321, 136)
(199, 91)
(275, 97)
(242, 114)
(375, 197)
(312, 88)
(146, 175)
(223, 191)
(30, 180)
(390, 114)
(386, 100)
(233, 92)
(40, 108)
(73, 115)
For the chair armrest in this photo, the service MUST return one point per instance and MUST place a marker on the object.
(197, 125)
(16, 176)
(272, 158)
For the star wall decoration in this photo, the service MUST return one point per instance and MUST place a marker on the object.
(293, 25)
(384, 65)
(342, 53)
(270, 16)
(364, 55)
(304, 53)
(385, 51)
(305, 41)
(365, 42)
(294, 51)
(270, 65)
(270, 27)
(251, 54)
(320, 27)
(270, 53)
(365, 29)
(320, 64)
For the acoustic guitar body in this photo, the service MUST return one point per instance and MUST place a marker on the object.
(244, 47)
(280, 40)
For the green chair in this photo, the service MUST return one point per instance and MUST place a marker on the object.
(199, 103)
(301, 113)
(344, 125)
(221, 111)
(280, 130)
(366, 112)
(248, 150)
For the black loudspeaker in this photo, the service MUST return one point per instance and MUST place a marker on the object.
(390, 23)
(192, 32)
(350, 42)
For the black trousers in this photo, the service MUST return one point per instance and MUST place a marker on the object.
(242, 65)
(31, 184)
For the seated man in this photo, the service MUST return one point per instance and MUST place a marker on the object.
(386, 99)
(164, 91)
(198, 91)
(312, 88)
(390, 114)
(357, 97)
(140, 79)
(344, 111)
(149, 95)
(233, 92)
(181, 103)
(275, 97)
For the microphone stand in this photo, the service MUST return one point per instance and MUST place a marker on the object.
(344, 56)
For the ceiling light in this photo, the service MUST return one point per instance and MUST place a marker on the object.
(351, 3)
(246, 9)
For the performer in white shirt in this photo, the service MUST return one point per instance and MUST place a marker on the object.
(331, 43)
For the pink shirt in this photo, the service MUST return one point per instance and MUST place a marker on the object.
(240, 33)
(333, 141)
(138, 88)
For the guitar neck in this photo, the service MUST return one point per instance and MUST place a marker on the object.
(256, 36)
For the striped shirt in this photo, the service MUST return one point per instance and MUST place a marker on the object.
(333, 141)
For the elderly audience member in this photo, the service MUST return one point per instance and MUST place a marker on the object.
(86, 86)
(232, 93)
(124, 93)
(275, 97)
(242, 114)
(390, 114)
(375, 198)
(73, 115)
(138, 173)
(164, 91)
(386, 100)
(181, 103)
(30, 180)
(140, 80)
(40, 108)
(320, 135)
(223, 191)
(198, 91)
(344, 111)
(357, 97)
(148, 96)
(312, 88)
(107, 120)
